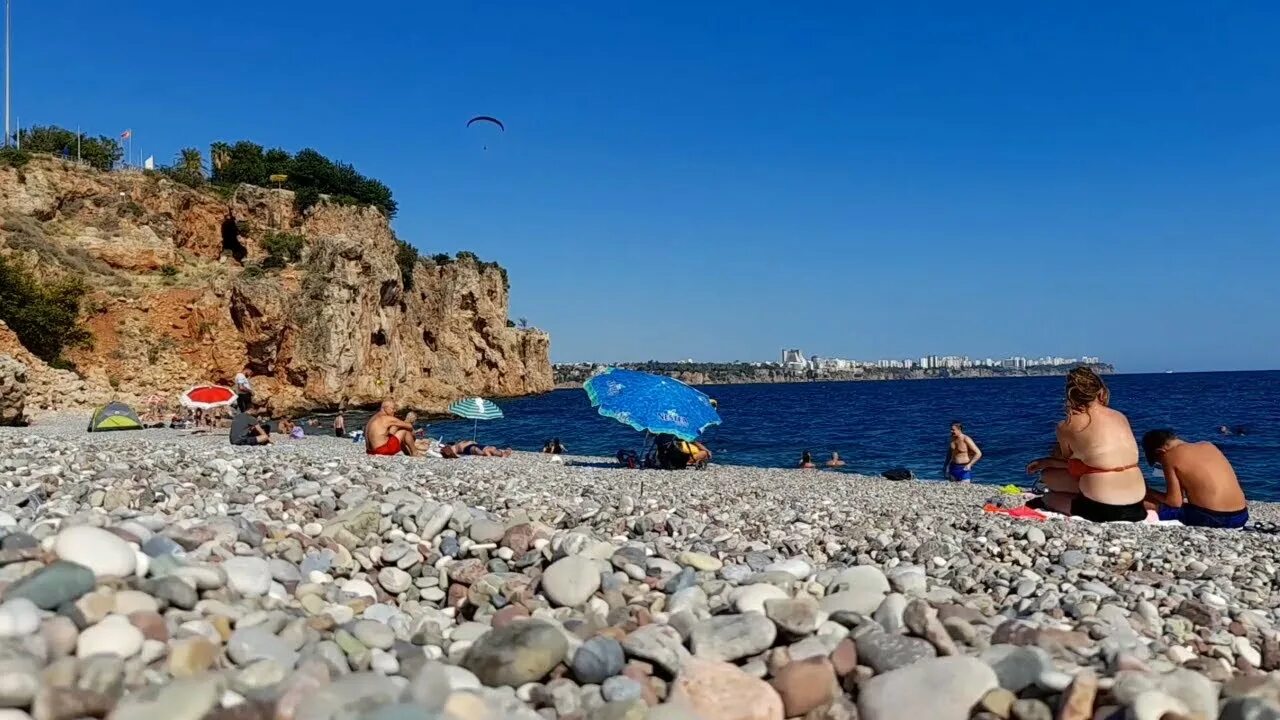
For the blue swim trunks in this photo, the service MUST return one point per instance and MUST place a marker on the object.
(1197, 516)
(960, 473)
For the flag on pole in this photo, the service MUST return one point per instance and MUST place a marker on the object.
(149, 163)
(126, 134)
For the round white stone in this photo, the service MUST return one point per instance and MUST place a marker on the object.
(107, 555)
(115, 635)
(570, 581)
(249, 576)
(359, 588)
(19, 617)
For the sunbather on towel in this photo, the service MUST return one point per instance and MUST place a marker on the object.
(1202, 488)
(470, 447)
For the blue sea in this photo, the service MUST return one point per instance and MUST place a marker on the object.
(881, 425)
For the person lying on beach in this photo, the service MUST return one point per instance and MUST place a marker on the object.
(835, 461)
(386, 434)
(245, 430)
(470, 447)
(553, 447)
(1097, 476)
(962, 454)
(806, 461)
(1202, 486)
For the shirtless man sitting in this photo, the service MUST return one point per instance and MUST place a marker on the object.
(386, 434)
(471, 447)
(1202, 486)
(962, 455)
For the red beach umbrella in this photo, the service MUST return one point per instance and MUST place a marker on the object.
(204, 397)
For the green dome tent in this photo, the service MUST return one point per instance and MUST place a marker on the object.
(114, 416)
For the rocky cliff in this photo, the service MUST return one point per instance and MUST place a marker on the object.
(179, 295)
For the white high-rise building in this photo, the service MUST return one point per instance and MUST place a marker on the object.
(793, 360)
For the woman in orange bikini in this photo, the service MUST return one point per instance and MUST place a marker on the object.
(1097, 477)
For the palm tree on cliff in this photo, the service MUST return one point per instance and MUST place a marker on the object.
(191, 162)
(221, 154)
(188, 167)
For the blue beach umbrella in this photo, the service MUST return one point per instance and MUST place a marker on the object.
(477, 409)
(652, 403)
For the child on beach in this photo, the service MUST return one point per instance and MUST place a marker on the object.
(1202, 488)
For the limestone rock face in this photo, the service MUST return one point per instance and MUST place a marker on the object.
(177, 297)
(13, 391)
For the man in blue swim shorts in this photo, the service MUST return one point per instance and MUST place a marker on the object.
(962, 455)
(1201, 486)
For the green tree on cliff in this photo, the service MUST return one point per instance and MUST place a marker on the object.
(101, 152)
(309, 173)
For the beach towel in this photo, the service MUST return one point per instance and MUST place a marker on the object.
(1021, 512)
(1039, 515)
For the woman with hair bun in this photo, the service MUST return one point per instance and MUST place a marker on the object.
(1096, 476)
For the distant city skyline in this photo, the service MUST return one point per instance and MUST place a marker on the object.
(797, 358)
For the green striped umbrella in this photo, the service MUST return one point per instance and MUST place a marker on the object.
(477, 409)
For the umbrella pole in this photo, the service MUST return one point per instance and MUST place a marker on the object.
(475, 428)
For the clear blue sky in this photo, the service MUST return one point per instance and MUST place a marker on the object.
(719, 180)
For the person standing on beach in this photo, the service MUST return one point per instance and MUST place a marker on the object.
(386, 434)
(340, 425)
(1202, 488)
(244, 390)
(962, 454)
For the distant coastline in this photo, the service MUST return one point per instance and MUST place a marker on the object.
(573, 375)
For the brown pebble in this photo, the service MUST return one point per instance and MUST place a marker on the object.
(845, 657)
(507, 615)
(70, 703)
(778, 658)
(151, 625)
(615, 632)
(191, 656)
(1077, 701)
(321, 622)
(717, 690)
(999, 702)
(1270, 652)
(805, 685)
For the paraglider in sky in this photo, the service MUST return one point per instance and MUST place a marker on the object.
(487, 119)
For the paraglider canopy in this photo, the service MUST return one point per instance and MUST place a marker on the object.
(486, 118)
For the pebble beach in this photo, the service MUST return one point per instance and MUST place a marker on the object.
(165, 575)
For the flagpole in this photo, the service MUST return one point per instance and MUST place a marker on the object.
(8, 38)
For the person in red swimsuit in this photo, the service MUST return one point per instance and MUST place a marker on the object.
(1095, 475)
(386, 434)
